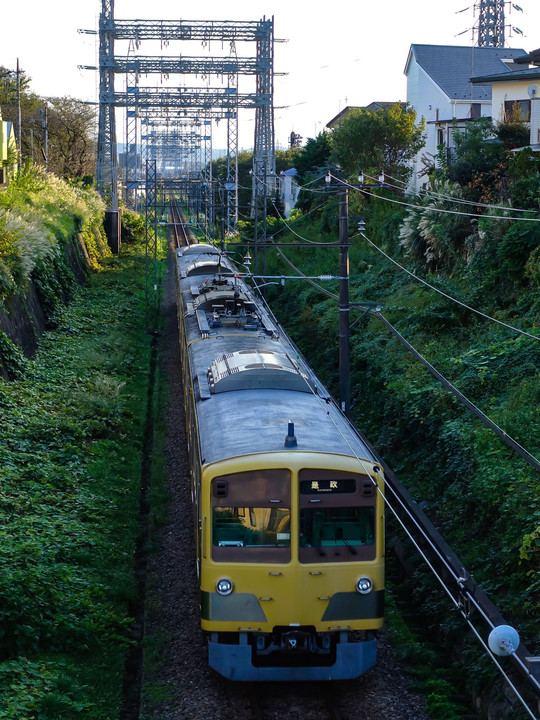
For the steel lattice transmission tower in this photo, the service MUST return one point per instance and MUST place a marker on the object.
(490, 23)
(264, 157)
(107, 169)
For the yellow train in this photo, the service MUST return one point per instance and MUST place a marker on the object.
(288, 499)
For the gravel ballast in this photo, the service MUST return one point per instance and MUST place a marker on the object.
(177, 682)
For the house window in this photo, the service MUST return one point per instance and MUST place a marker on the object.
(440, 136)
(476, 110)
(517, 110)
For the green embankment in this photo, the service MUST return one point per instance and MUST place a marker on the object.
(483, 496)
(72, 422)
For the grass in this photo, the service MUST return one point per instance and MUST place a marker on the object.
(70, 469)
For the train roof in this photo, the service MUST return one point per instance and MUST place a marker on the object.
(256, 421)
(249, 380)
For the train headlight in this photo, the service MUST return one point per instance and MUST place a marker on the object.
(224, 586)
(364, 585)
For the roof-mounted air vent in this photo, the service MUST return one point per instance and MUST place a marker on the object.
(206, 266)
(255, 369)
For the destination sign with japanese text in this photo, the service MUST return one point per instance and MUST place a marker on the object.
(315, 487)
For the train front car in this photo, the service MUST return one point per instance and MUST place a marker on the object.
(288, 499)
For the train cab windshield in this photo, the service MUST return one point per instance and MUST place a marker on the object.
(337, 517)
(251, 516)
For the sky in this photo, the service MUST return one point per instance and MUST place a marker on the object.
(334, 54)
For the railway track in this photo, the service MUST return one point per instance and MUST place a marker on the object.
(306, 701)
(181, 233)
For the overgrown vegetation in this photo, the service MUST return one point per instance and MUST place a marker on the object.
(70, 456)
(39, 216)
(483, 496)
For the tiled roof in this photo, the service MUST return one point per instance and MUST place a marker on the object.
(451, 67)
(532, 58)
(523, 74)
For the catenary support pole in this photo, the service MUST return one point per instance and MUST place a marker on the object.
(344, 309)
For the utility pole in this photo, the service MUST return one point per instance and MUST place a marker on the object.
(19, 119)
(223, 227)
(46, 135)
(344, 308)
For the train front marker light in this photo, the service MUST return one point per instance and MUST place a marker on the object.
(364, 585)
(224, 586)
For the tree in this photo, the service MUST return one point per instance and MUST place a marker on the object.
(315, 154)
(69, 124)
(477, 161)
(385, 139)
(513, 130)
(71, 129)
(437, 239)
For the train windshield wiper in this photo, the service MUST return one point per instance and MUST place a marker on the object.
(339, 536)
(319, 548)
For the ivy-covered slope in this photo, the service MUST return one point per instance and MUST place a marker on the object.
(51, 235)
(71, 429)
(483, 496)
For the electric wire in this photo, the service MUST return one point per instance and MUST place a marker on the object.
(423, 555)
(449, 198)
(507, 439)
(424, 282)
(441, 292)
(358, 189)
(311, 282)
(485, 419)
(288, 226)
(525, 454)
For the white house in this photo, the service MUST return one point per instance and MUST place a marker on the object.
(439, 88)
(519, 89)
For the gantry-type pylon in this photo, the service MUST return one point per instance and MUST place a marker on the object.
(169, 102)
